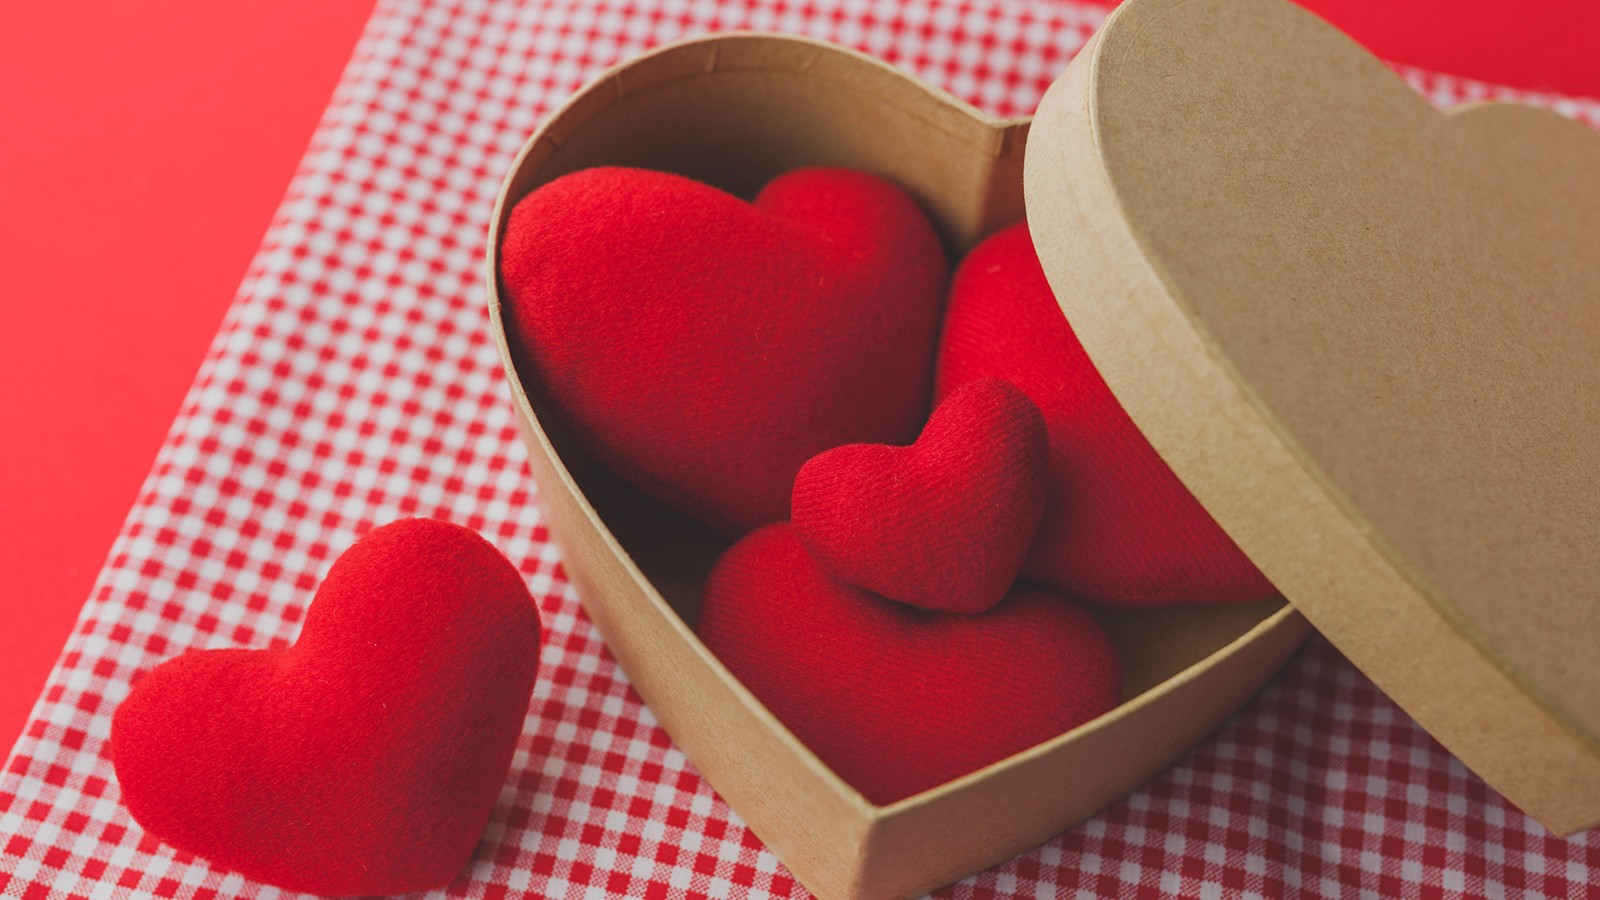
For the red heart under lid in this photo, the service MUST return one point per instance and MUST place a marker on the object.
(367, 757)
(1119, 528)
(704, 347)
(895, 699)
(943, 524)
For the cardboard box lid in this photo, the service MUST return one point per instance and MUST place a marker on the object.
(1366, 334)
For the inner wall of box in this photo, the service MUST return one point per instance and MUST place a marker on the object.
(736, 129)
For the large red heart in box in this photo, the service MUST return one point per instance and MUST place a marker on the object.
(1119, 528)
(896, 699)
(735, 111)
(705, 347)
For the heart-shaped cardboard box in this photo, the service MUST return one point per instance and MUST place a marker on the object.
(1361, 331)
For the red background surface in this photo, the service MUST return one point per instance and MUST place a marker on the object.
(147, 146)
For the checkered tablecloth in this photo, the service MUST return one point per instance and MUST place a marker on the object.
(354, 382)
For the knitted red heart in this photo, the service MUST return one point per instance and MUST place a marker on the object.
(1118, 527)
(943, 524)
(367, 757)
(704, 347)
(894, 699)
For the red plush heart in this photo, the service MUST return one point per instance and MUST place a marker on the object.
(704, 347)
(1118, 527)
(367, 757)
(943, 524)
(895, 699)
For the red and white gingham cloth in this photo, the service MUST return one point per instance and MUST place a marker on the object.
(354, 382)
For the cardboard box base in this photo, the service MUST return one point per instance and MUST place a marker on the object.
(735, 110)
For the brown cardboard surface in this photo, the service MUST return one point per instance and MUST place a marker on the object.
(1364, 333)
(735, 110)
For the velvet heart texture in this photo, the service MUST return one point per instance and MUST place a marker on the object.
(367, 757)
(895, 699)
(943, 524)
(1119, 528)
(704, 347)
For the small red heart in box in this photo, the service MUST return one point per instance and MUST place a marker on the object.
(366, 758)
(704, 347)
(895, 699)
(943, 524)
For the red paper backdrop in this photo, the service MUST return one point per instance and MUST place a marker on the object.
(146, 148)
